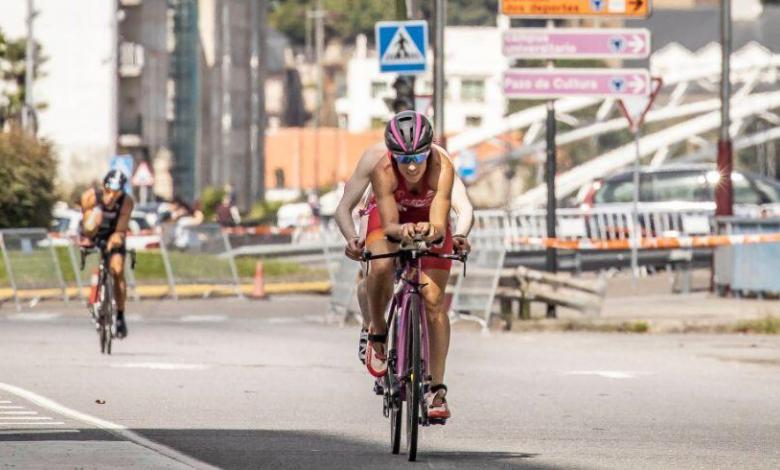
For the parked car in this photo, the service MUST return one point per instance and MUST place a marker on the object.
(694, 184)
(679, 188)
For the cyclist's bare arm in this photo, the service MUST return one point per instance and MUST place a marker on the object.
(383, 183)
(90, 219)
(355, 188)
(442, 200)
(122, 225)
(461, 203)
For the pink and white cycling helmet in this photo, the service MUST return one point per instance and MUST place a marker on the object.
(408, 133)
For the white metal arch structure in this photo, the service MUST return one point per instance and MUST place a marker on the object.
(684, 74)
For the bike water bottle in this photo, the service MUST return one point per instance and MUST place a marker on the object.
(93, 293)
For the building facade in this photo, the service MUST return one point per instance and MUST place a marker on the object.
(473, 95)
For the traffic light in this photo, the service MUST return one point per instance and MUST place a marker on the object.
(404, 93)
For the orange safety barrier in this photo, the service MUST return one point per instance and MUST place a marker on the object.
(703, 241)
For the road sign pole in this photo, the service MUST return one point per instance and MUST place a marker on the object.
(635, 235)
(552, 254)
(438, 69)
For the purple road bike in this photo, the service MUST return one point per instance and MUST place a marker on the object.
(407, 378)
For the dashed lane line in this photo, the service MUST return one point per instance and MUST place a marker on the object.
(116, 429)
(34, 316)
(6, 432)
(203, 318)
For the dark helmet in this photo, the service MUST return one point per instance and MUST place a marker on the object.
(115, 180)
(408, 133)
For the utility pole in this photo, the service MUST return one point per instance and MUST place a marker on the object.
(28, 109)
(440, 20)
(550, 170)
(256, 173)
(319, 45)
(724, 194)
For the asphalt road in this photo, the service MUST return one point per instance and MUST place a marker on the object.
(236, 384)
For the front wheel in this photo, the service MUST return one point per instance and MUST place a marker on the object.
(414, 384)
(393, 393)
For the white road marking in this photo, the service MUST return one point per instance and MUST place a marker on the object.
(47, 423)
(609, 374)
(283, 320)
(6, 407)
(114, 428)
(34, 316)
(203, 318)
(160, 366)
(31, 418)
(2, 402)
(136, 317)
(18, 413)
(35, 431)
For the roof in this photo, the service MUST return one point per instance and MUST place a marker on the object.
(670, 26)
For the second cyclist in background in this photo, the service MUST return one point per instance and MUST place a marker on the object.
(106, 214)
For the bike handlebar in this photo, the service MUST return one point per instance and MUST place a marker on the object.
(101, 247)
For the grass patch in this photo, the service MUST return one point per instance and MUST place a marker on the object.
(34, 269)
(768, 325)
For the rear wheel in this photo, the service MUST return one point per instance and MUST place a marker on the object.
(110, 312)
(414, 384)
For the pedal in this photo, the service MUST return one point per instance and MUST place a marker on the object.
(378, 388)
(437, 421)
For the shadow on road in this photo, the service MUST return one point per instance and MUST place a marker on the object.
(259, 449)
(235, 449)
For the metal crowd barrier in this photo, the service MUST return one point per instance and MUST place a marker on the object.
(31, 262)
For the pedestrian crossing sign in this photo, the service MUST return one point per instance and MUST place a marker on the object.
(402, 46)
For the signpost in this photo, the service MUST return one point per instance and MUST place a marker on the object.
(403, 46)
(574, 43)
(123, 163)
(559, 83)
(577, 43)
(576, 8)
(635, 109)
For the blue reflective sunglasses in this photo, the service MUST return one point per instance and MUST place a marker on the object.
(417, 158)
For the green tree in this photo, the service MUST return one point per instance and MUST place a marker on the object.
(27, 172)
(13, 66)
(348, 18)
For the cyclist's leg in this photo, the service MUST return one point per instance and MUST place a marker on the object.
(438, 321)
(379, 282)
(117, 267)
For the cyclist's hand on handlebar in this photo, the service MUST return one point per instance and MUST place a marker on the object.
(408, 233)
(427, 231)
(461, 244)
(85, 242)
(354, 249)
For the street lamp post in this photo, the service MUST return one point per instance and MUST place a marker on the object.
(724, 199)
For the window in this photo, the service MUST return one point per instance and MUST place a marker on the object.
(473, 121)
(279, 178)
(472, 90)
(681, 187)
(378, 89)
(743, 191)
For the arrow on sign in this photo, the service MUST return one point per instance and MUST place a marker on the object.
(637, 4)
(637, 84)
(636, 43)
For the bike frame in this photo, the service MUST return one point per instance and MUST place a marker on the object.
(401, 299)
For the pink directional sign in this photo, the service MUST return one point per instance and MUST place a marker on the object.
(575, 43)
(560, 83)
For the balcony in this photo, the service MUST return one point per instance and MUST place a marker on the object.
(131, 60)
